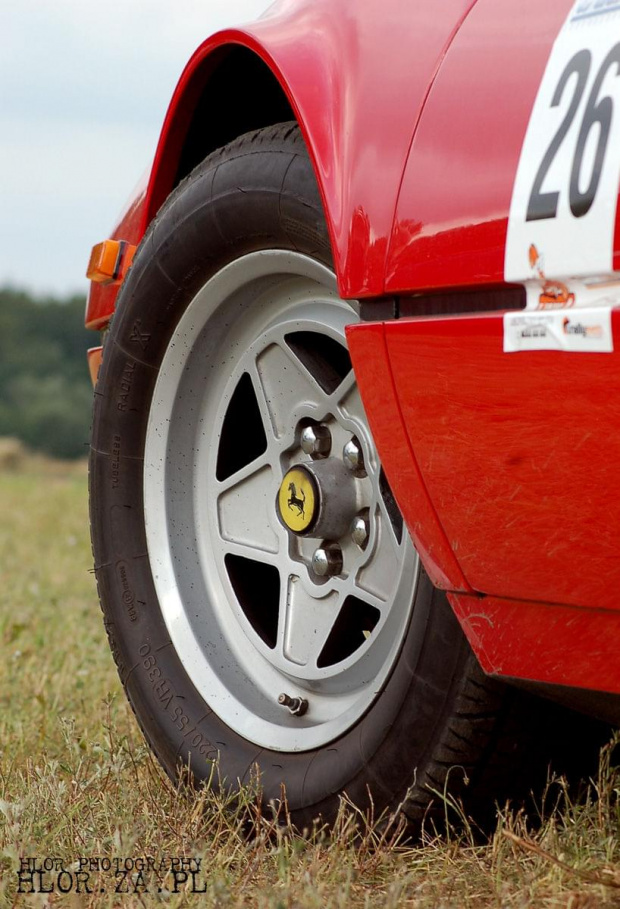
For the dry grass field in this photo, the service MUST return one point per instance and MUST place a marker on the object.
(77, 783)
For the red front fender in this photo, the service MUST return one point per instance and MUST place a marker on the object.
(357, 121)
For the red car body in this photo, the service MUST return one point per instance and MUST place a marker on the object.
(503, 463)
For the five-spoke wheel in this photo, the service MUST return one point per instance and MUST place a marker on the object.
(290, 554)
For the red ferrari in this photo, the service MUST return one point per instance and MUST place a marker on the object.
(355, 441)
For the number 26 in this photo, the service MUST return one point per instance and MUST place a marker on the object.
(544, 205)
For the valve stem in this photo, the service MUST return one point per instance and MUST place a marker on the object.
(296, 706)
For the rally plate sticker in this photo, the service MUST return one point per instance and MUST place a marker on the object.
(576, 330)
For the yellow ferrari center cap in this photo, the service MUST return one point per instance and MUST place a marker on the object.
(298, 500)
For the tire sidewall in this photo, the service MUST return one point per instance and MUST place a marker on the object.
(204, 226)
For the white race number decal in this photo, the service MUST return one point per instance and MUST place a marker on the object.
(563, 209)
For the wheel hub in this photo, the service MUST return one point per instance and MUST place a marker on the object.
(318, 499)
(298, 501)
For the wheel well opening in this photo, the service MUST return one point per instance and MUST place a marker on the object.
(240, 94)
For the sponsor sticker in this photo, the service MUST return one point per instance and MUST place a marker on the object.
(579, 330)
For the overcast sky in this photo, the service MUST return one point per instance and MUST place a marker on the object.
(84, 87)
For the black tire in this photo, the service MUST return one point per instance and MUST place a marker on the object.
(436, 717)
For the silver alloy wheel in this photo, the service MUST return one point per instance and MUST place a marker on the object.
(257, 357)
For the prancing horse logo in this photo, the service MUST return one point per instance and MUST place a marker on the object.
(295, 502)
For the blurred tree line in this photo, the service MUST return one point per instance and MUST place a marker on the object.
(45, 390)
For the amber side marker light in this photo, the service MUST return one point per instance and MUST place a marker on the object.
(94, 362)
(109, 261)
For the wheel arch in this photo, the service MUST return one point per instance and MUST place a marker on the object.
(227, 89)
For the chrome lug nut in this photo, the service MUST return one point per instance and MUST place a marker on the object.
(316, 440)
(360, 530)
(296, 706)
(327, 561)
(353, 457)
